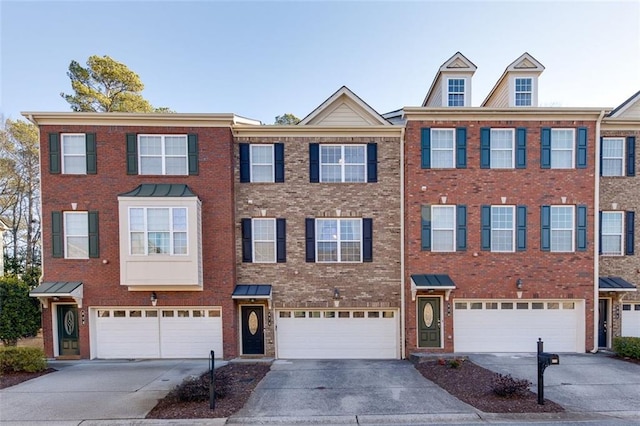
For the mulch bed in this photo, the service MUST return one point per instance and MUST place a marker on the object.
(16, 377)
(234, 383)
(472, 384)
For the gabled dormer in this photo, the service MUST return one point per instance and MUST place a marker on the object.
(344, 108)
(629, 109)
(452, 85)
(518, 85)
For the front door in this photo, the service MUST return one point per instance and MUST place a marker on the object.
(252, 330)
(603, 323)
(428, 316)
(68, 330)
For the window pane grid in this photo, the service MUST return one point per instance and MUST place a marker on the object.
(502, 152)
(442, 148)
(339, 240)
(502, 228)
(443, 223)
(612, 231)
(76, 233)
(523, 91)
(262, 163)
(74, 154)
(562, 148)
(612, 156)
(155, 230)
(342, 163)
(162, 154)
(456, 92)
(562, 228)
(264, 240)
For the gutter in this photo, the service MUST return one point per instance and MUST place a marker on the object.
(402, 280)
(596, 233)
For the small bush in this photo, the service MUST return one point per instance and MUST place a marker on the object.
(507, 386)
(455, 362)
(627, 346)
(196, 389)
(30, 360)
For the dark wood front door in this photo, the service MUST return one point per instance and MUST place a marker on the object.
(252, 330)
(603, 323)
(68, 330)
(429, 323)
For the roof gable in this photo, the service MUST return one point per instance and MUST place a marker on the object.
(344, 108)
(458, 63)
(628, 109)
(525, 62)
(500, 95)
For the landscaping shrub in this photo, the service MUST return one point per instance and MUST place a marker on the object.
(196, 389)
(30, 360)
(507, 386)
(455, 362)
(627, 346)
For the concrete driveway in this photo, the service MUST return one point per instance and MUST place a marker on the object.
(92, 390)
(349, 391)
(581, 383)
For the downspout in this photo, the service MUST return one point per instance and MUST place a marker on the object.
(402, 296)
(596, 233)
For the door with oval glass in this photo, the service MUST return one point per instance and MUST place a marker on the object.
(252, 330)
(429, 322)
(68, 330)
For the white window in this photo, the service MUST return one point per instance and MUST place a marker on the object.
(443, 148)
(76, 235)
(163, 154)
(503, 228)
(523, 91)
(339, 240)
(262, 163)
(158, 230)
(502, 148)
(562, 148)
(562, 228)
(443, 225)
(264, 240)
(343, 163)
(456, 92)
(612, 229)
(612, 157)
(74, 154)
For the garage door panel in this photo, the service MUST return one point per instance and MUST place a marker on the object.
(190, 337)
(116, 339)
(630, 319)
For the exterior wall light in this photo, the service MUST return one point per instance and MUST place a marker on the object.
(154, 298)
(519, 283)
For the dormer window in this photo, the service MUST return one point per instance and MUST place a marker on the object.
(523, 91)
(455, 92)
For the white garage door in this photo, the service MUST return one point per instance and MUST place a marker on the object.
(157, 332)
(318, 334)
(515, 326)
(631, 319)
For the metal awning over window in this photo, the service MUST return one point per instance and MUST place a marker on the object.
(431, 282)
(47, 290)
(615, 284)
(253, 291)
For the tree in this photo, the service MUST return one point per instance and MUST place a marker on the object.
(19, 313)
(106, 85)
(287, 119)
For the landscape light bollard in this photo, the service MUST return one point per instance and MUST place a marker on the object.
(544, 360)
(212, 381)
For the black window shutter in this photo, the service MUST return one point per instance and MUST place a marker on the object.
(600, 230)
(245, 166)
(278, 154)
(310, 239)
(461, 225)
(367, 240)
(314, 164)
(601, 154)
(247, 249)
(521, 224)
(631, 156)
(425, 146)
(281, 240)
(192, 150)
(54, 153)
(461, 148)
(521, 152)
(485, 223)
(94, 240)
(132, 154)
(485, 148)
(581, 228)
(581, 151)
(92, 159)
(545, 148)
(629, 241)
(372, 162)
(56, 234)
(425, 227)
(545, 228)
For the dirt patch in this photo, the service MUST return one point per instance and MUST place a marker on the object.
(234, 384)
(472, 384)
(17, 377)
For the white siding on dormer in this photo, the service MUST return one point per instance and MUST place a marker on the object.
(436, 99)
(632, 112)
(342, 115)
(500, 98)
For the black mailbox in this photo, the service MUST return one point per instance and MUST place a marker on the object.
(548, 359)
(545, 359)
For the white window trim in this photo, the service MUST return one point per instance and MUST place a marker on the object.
(453, 147)
(623, 158)
(342, 163)
(572, 229)
(573, 148)
(146, 231)
(254, 240)
(433, 227)
(620, 234)
(63, 155)
(512, 229)
(163, 155)
(463, 93)
(251, 163)
(532, 92)
(67, 235)
(338, 240)
(513, 149)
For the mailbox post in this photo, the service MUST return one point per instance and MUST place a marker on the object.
(545, 359)
(212, 381)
